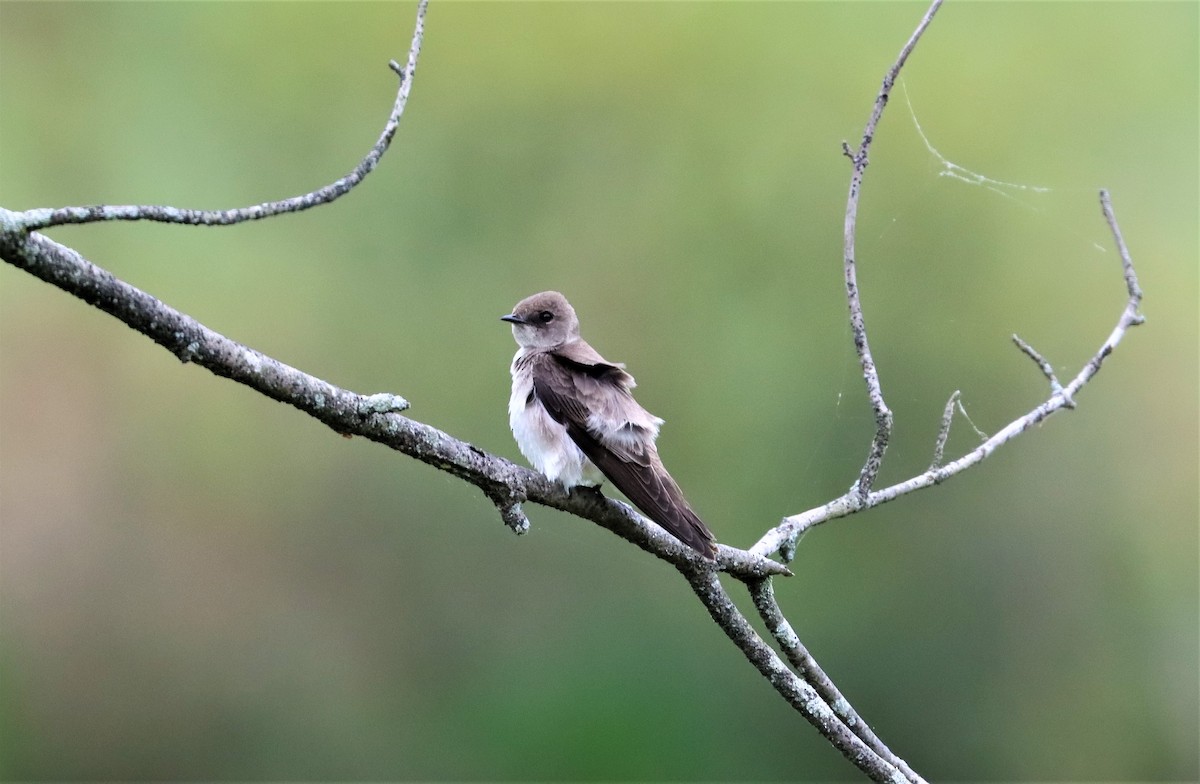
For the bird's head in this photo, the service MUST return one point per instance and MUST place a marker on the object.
(543, 321)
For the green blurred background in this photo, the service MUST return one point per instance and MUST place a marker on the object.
(199, 583)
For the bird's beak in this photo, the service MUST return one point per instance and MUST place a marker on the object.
(513, 318)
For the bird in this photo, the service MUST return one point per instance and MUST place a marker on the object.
(574, 418)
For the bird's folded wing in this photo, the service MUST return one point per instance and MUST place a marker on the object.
(593, 402)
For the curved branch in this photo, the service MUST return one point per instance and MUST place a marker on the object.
(45, 218)
(858, 328)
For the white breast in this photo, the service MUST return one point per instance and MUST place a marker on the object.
(543, 441)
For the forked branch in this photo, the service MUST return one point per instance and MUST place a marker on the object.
(783, 537)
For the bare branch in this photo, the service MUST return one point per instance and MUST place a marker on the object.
(778, 539)
(45, 218)
(860, 159)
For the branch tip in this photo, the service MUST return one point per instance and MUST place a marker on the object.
(1040, 361)
(939, 446)
(1131, 281)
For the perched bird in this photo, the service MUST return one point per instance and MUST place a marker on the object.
(574, 418)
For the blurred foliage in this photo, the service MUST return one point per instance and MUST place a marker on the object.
(198, 583)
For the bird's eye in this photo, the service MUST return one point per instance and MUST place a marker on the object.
(545, 317)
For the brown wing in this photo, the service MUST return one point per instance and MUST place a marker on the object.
(592, 400)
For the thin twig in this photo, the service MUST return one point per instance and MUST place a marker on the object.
(1046, 368)
(1131, 281)
(939, 446)
(860, 159)
(38, 219)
